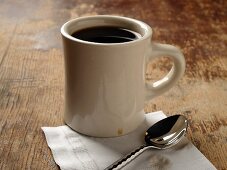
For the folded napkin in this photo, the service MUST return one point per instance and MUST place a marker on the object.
(74, 151)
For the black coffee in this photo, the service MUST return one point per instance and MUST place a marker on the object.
(106, 34)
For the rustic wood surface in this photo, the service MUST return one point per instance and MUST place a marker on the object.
(32, 72)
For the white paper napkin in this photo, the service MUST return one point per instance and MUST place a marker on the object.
(73, 151)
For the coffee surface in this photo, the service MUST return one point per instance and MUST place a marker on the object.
(106, 34)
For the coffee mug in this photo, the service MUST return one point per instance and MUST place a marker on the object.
(105, 87)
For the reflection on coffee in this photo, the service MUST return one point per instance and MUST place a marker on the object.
(106, 34)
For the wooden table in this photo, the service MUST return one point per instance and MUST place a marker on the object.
(32, 72)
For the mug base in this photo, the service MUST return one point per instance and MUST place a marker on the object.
(107, 131)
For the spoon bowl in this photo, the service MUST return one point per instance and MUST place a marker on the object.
(162, 135)
(166, 132)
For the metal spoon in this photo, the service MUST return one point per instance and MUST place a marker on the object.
(162, 135)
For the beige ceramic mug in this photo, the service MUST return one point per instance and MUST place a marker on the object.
(105, 88)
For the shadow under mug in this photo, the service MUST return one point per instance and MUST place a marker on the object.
(105, 87)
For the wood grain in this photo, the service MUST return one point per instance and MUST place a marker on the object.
(32, 73)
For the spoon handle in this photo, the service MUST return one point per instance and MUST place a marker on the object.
(127, 157)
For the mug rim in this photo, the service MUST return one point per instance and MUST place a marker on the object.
(147, 29)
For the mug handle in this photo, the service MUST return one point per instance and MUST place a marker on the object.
(158, 50)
